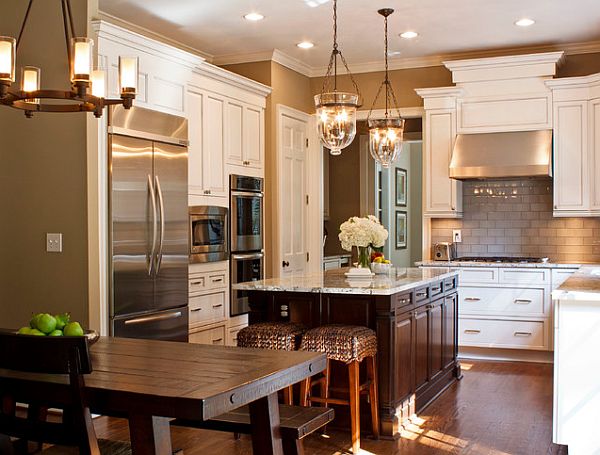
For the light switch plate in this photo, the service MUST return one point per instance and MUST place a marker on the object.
(456, 235)
(53, 242)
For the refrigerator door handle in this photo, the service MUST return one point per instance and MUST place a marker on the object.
(160, 317)
(150, 255)
(161, 206)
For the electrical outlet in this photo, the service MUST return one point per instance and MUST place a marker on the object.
(53, 243)
(456, 235)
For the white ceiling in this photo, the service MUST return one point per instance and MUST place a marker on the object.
(216, 27)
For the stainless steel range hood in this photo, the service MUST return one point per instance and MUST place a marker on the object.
(502, 155)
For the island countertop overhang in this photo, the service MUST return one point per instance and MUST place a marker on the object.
(335, 282)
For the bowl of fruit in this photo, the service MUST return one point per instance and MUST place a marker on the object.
(45, 324)
(379, 264)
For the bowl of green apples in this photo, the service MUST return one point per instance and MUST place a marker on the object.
(58, 325)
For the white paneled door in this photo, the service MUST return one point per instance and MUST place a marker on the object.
(293, 194)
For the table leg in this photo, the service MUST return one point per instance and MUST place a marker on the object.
(264, 418)
(150, 435)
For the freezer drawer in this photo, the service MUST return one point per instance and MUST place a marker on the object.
(170, 325)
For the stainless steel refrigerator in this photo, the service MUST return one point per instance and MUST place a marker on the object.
(148, 162)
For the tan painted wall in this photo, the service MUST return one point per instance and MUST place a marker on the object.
(42, 181)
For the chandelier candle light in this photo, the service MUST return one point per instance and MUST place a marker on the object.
(88, 85)
(364, 234)
(336, 111)
(385, 135)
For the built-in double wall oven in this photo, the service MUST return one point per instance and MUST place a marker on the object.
(247, 231)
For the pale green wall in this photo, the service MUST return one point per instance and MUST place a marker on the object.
(42, 180)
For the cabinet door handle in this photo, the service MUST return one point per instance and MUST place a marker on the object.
(218, 305)
(218, 340)
(453, 208)
(522, 334)
(195, 309)
(473, 332)
(523, 301)
(403, 323)
(472, 299)
(283, 307)
(429, 307)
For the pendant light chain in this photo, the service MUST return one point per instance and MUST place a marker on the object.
(332, 66)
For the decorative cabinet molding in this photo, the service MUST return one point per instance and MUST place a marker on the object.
(576, 145)
(443, 195)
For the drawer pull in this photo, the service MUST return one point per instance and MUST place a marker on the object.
(284, 307)
(284, 314)
(472, 332)
(195, 309)
(217, 280)
(522, 334)
(404, 301)
(523, 301)
(196, 283)
(449, 284)
(435, 289)
(421, 294)
(404, 323)
(218, 305)
(472, 299)
(429, 307)
(218, 340)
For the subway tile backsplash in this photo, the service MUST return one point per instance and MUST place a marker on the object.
(514, 218)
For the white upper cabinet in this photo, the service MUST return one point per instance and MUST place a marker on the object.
(213, 154)
(442, 195)
(254, 137)
(576, 145)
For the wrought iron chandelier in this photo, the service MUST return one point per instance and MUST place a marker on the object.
(88, 85)
(385, 135)
(336, 111)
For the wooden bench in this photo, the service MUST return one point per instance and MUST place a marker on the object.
(296, 423)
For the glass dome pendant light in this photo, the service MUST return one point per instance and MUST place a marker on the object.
(385, 135)
(336, 110)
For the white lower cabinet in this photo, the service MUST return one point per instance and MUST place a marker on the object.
(505, 333)
(211, 335)
(232, 334)
(509, 302)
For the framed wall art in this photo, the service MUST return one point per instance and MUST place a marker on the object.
(401, 229)
(401, 187)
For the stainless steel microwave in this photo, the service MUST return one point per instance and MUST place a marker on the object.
(208, 234)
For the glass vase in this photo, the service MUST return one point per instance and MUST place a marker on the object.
(364, 257)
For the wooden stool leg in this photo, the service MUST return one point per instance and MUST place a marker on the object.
(304, 391)
(288, 395)
(354, 383)
(325, 385)
(373, 398)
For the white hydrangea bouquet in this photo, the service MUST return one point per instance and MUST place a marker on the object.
(363, 233)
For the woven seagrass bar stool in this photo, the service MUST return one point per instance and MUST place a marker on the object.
(279, 336)
(351, 345)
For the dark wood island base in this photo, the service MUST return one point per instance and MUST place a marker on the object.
(417, 330)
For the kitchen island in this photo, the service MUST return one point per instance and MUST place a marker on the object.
(413, 311)
(576, 368)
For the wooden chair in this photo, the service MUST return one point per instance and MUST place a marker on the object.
(43, 373)
(350, 345)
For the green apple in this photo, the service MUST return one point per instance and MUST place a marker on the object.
(36, 332)
(24, 331)
(56, 333)
(46, 323)
(34, 319)
(73, 329)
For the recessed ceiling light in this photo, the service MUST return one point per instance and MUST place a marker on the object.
(254, 17)
(409, 35)
(305, 45)
(525, 22)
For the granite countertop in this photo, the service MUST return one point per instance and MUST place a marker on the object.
(585, 283)
(335, 282)
(519, 265)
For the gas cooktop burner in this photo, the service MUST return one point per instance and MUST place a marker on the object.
(515, 260)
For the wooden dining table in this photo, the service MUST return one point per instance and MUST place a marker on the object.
(150, 382)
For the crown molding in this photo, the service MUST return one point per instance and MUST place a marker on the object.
(214, 72)
(144, 32)
(274, 55)
(574, 82)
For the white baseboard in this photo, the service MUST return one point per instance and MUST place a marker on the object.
(512, 355)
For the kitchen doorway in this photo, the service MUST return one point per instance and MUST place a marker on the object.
(354, 185)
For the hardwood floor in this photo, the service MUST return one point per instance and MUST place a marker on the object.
(498, 408)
